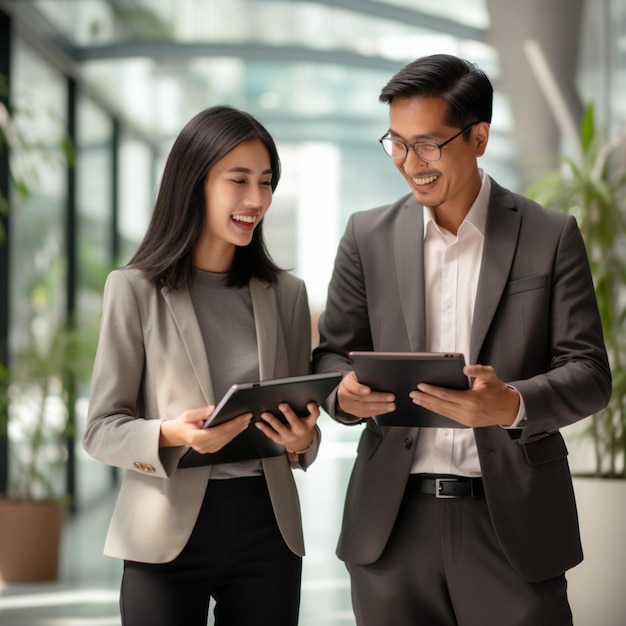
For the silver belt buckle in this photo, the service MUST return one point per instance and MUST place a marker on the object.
(439, 486)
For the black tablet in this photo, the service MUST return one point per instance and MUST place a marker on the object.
(260, 397)
(401, 372)
(265, 396)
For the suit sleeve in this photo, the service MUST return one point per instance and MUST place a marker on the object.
(344, 325)
(116, 434)
(578, 382)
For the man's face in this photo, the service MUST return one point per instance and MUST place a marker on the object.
(452, 183)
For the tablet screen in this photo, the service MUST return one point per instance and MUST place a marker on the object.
(401, 372)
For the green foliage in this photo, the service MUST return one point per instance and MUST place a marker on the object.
(39, 392)
(594, 191)
(27, 153)
(38, 388)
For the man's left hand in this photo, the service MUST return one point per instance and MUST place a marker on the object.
(489, 402)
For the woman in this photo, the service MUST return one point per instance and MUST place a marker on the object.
(201, 306)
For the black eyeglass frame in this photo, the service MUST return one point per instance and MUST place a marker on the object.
(417, 145)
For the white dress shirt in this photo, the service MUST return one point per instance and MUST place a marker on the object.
(451, 268)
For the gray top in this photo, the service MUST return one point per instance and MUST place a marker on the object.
(226, 321)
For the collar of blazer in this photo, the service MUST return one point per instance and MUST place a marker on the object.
(501, 237)
(266, 319)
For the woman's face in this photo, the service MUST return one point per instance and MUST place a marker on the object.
(237, 194)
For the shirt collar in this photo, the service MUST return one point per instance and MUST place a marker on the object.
(477, 215)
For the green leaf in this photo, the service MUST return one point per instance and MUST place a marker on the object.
(587, 128)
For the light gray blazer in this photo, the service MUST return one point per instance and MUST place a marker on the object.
(151, 365)
(535, 321)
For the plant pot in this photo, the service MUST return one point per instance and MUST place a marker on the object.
(596, 586)
(30, 540)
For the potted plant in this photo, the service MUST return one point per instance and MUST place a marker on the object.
(39, 397)
(593, 189)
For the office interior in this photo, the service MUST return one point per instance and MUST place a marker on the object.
(120, 78)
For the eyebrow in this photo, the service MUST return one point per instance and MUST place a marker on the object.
(430, 137)
(245, 170)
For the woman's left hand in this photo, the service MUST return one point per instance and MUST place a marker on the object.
(296, 434)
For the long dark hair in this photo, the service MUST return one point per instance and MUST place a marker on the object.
(466, 88)
(165, 254)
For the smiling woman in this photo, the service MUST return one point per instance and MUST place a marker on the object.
(202, 306)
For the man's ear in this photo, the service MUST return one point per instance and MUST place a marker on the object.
(481, 137)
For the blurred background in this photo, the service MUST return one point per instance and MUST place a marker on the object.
(93, 93)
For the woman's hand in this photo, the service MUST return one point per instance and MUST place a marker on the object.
(186, 430)
(296, 434)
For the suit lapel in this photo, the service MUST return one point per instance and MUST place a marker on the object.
(266, 320)
(501, 235)
(181, 307)
(409, 261)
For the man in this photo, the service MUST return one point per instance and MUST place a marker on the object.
(462, 264)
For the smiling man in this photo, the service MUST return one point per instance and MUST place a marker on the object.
(475, 525)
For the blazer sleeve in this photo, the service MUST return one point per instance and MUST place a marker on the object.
(577, 382)
(344, 324)
(117, 431)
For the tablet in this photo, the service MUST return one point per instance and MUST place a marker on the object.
(265, 396)
(259, 397)
(400, 372)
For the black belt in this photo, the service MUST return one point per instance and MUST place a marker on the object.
(445, 486)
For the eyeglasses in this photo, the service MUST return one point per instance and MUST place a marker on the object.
(428, 151)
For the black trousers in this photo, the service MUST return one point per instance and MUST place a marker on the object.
(444, 566)
(235, 554)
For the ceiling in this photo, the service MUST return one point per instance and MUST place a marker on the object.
(312, 69)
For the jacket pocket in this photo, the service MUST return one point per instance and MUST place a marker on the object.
(545, 448)
(526, 284)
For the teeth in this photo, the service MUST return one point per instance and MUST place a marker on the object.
(425, 180)
(248, 219)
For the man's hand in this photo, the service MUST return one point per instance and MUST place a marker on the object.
(359, 400)
(489, 402)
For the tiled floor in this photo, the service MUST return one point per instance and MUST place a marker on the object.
(86, 593)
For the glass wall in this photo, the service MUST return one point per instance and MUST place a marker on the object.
(37, 253)
(95, 189)
(602, 73)
(137, 182)
(38, 227)
(94, 182)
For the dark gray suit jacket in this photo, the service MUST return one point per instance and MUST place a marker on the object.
(535, 321)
